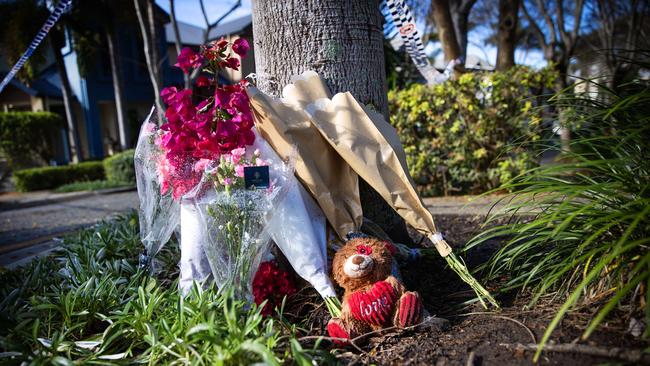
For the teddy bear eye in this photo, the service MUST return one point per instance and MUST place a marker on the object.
(362, 249)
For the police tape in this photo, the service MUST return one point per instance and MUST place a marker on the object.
(403, 21)
(60, 8)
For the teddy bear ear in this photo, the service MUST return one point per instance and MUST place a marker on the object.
(355, 235)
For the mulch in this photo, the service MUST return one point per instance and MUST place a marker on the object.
(461, 333)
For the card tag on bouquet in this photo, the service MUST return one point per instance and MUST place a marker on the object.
(256, 177)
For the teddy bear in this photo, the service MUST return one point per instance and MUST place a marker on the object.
(373, 298)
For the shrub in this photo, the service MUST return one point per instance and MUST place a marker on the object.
(120, 168)
(55, 176)
(454, 133)
(585, 238)
(26, 137)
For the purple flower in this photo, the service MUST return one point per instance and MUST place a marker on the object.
(240, 47)
(189, 59)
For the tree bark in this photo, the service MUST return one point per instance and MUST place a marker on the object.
(343, 42)
(73, 136)
(150, 52)
(118, 91)
(446, 30)
(460, 10)
(508, 19)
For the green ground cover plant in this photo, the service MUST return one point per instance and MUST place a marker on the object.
(90, 304)
(471, 134)
(580, 229)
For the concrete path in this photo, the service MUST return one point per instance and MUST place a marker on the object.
(22, 228)
(30, 228)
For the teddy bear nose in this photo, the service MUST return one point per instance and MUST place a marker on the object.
(357, 260)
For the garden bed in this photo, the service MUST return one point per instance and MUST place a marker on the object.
(93, 292)
(487, 338)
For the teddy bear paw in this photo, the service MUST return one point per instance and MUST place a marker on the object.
(410, 310)
(336, 330)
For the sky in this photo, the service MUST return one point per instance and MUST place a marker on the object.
(189, 11)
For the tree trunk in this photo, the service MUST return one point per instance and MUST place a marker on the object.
(343, 42)
(461, 20)
(177, 36)
(150, 51)
(118, 91)
(66, 91)
(446, 30)
(508, 19)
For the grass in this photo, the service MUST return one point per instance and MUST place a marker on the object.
(94, 185)
(90, 304)
(579, 230)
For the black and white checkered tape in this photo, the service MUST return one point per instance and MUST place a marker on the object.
(405, 24)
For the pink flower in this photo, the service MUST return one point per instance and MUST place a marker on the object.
(189, 59)
(240, 46)
(168, 94)
(227, 181)
(239, 170)
(149, 128)
(237, 154)
(201, 165)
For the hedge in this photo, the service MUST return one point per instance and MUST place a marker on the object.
(26, 137)
(471, 134)
(55, 176)
(120, 168)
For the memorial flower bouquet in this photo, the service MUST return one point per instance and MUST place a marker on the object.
(197, 158)
(191, 170)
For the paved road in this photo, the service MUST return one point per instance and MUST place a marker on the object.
(19, 227)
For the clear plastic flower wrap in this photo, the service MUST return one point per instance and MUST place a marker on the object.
(159, 213)
(236, 218)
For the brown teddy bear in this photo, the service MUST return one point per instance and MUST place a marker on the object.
(373, 298)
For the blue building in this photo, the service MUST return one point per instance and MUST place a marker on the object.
(94, 99)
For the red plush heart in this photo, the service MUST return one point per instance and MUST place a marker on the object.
(374, 306)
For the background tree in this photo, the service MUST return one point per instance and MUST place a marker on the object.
(24, 19)
(177, 39)
(209, 26)
(343, 42)
(439, 25)
(57, 42)
(559, 32)
(617, 31)
(147, 22)
(557, 40)
(446, 30)
(460, 14)
(507, 33)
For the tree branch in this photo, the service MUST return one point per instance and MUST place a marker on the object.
(577, 18)
(209, 26)
(559, 11)
(536, 29)
(549, 21)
